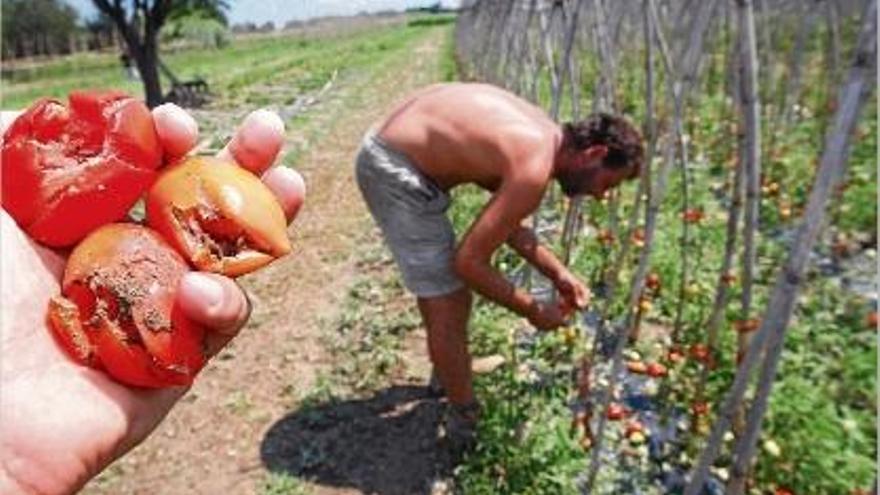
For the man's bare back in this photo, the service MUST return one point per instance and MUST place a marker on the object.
(472, 133)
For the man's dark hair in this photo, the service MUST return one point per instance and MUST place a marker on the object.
(624, 142)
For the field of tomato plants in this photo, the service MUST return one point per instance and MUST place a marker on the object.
(757, 248)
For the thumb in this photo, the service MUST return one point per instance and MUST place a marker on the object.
(217, 303)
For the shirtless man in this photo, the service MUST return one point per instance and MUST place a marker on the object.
(451, 134)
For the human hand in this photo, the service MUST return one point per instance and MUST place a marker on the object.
(61, 423)
(574, 294)
(547, 316)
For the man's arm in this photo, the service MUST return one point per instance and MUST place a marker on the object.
(524, 241)
(512, 202)
(574, 293)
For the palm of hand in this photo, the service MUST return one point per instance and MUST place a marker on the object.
(59, 422)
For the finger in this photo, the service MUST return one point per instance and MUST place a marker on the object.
(257, 142)
(217, 303)
(289, 188)
(581, 299)
(6, 119)
(176, 128)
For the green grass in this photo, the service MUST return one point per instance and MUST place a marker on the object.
(284, 484)
(237, 73)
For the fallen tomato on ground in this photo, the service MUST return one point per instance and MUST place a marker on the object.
(218, 215)
(616, 412)
(637, 367)
(117, 309)
(67, 170)
(656, 370)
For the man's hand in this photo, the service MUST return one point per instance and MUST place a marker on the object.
(575, 295)
(547, 316)
(62, 423)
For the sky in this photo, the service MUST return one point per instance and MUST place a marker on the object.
(281, 11)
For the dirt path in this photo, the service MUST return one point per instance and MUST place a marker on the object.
(242, 415)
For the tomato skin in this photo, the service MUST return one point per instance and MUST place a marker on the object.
(616, 412)
(218, 215)
(118, 309)
(67, 170)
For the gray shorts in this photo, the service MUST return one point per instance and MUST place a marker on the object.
(411, 211)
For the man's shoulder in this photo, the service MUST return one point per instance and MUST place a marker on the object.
(530, 148)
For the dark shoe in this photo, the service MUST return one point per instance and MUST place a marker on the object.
(459, 429)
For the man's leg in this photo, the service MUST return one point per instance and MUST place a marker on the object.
(446, 318)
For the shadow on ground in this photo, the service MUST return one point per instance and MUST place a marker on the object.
(385, 444)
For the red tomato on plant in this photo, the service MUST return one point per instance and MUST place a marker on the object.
(700, 408)
(675, 355)
(652, 281)
(872, 319)
(117, 311)
(693, 215)
(700, 352)
(68, 170)
(746, 326)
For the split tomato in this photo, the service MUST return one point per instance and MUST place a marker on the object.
(70, 169)
(218, 215)
(117, 311)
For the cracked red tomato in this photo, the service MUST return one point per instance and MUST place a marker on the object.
(218, 215)
(117, 309)
(69, 169)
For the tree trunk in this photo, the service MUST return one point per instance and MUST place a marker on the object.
(147, 60)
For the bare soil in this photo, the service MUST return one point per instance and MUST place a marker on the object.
(243, 420)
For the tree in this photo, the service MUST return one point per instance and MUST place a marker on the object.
(37, 26)
(139, 22)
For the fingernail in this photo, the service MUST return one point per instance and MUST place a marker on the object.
(204, 288)
(267, 118)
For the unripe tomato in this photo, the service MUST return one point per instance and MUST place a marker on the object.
(219, 216)
(117, 309)
(69, 170)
